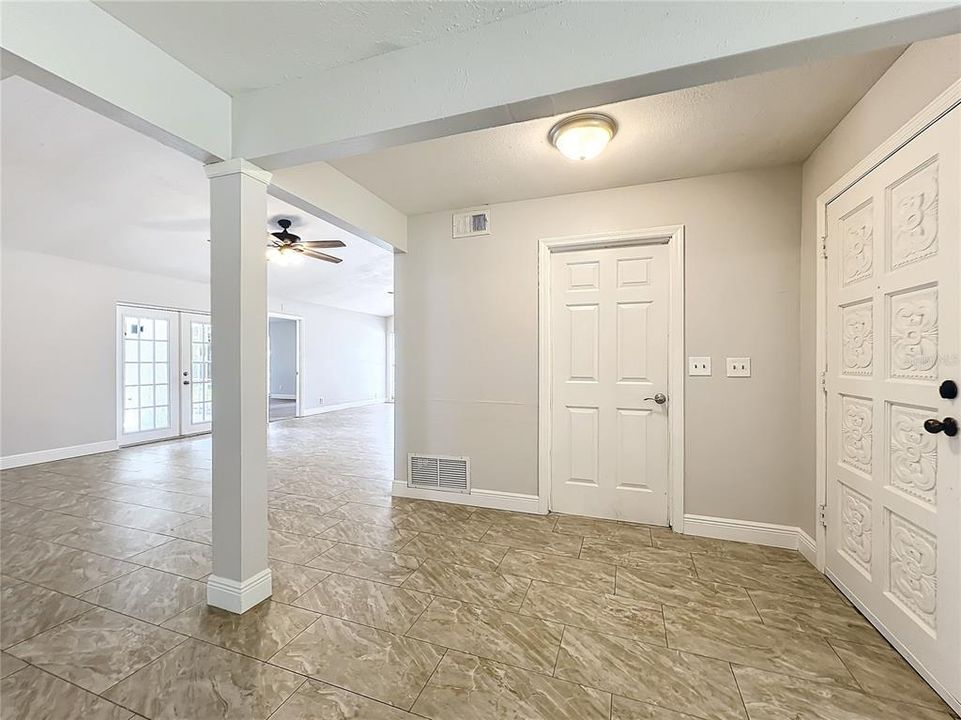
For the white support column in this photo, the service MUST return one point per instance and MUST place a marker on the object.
(238, 299)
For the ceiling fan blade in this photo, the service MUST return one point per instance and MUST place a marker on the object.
(322, 243)
(320, 256)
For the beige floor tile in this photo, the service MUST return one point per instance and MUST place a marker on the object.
(599, 612)
(626, 709)
(461, 582)
(381, 606)
(304, 504)
(290, 581)
(368, 563)
(197, 530)
(260, 632)
(180, 557)
(148, 594)
(791, 578)
(772, 696)
(506, 518)
(27, 610)
(747, 643)
(583, 574)
(880, 671)
(370, 514)
(32, 694)
(443, 525)
(641, 557)
(667, 539)
(112, 540)
(9, 665)
(834, 619)
(637, 535)
(700, 686)
(60, 568)
(456, 551)
(375, 536)
(320, 701)
(299, 523)
(679, 591)
(96, 649)
(537, 540)
(378, 664)
(466, 687)
(201, 681)
(506, 637)
(290, 547)
(127, 514)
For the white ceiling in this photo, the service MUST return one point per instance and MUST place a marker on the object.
(79, 185)
(755, 121)
(240, 46)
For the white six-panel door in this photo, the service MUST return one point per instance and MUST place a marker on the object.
(609, 358)
(893, 324)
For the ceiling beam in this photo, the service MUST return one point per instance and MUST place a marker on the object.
(558, 59)
(81, 52)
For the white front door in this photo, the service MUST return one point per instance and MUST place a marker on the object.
(609, 360)
(196, 385)
(149, 398)
(893, 323)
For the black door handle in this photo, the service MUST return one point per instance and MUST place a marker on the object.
(949, 426)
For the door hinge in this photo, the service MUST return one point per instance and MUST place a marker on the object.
(823, 380)
(824, 248)
(823, 515)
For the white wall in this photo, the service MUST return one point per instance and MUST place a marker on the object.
(922, 73)
(58, 347)
(283, 358)
(466, 315)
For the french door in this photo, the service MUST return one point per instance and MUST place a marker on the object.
(164, 375)
(894, 460)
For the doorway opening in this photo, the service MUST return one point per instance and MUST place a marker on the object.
(283, 367)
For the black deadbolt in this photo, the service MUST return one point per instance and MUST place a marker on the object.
(948, 390)
(949, 426)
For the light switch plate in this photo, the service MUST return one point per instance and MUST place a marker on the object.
(698, 366)
(739, 367)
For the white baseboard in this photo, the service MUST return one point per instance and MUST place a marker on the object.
(277, 396)
(782, 536)
(807, 547)
(341, 406)
(239, 597)
(44, 456)
(495, 499)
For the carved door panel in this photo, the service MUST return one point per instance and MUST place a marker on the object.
(893, 322)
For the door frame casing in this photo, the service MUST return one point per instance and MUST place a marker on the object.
(298, 354)
(934, 111)
(673, 237)
(939, 107)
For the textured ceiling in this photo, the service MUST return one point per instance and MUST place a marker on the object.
(242, 45)
(754, 121)
(79, 185)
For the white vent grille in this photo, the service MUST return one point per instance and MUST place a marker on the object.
(439, 472)
(472, 222)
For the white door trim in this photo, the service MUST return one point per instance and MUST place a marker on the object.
(673, 236)
(299, 354)
(941, 105)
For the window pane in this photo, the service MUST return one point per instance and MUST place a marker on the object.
(197, 392)
(146, 351)
(161, 352)
(160, 329)
(162, 417)
(130, 398)
(207, 332)
(131, 421)
(197, 352)
(208, 391)
(160, 395)
(196, 332)
(160, 373)
(208, 411)
(130, 353)
(146, 329)
(131, 327)
(130, 375)
(197, 412)
(146, 396)
(146, 373)
(198, 371)
(146, 419)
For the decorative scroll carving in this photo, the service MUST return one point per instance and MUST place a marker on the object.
(857, 245)
(914, 454)
(857, 339)
(914, 569)
(914, 217)
(856, 528)
(914, 334)
(856, 433)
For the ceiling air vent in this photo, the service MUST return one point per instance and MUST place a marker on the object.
(438, 472)
(472, 222)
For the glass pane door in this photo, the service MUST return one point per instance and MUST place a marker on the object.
(148, 359)
(196, 384)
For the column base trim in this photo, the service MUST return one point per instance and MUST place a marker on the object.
(239, 597)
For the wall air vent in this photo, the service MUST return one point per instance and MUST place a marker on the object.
(438, 472)
(472, 222)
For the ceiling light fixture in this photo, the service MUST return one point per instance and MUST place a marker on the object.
(583, 136)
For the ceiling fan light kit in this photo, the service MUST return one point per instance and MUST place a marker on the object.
(288, 249)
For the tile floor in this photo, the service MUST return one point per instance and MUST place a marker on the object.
(386, 609)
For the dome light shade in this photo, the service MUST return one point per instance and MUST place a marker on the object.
(584, 136)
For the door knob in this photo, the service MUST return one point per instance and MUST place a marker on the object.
(186, 382)
(659, 398)
(949, 426)
(948, 390)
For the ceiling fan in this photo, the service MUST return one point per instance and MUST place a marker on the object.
(286, 246)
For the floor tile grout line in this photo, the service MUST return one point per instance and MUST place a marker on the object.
(737, 685)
